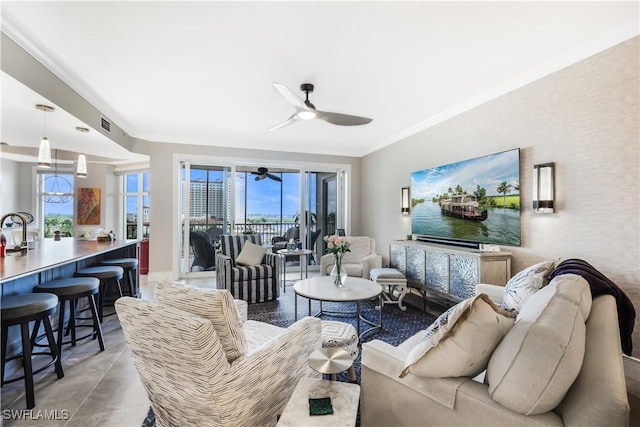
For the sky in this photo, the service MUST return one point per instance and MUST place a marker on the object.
(263, 197)
(487, 171)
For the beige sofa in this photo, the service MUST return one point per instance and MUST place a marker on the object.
(597, 397)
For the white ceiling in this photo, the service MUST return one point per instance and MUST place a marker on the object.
(201, 72)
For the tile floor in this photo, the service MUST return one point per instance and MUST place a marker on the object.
(102, 389)
(98, 388)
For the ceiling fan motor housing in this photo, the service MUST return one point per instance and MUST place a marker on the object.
(306, 87)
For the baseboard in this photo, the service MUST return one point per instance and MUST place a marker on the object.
(632, 374)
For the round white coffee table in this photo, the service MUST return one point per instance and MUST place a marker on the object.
(355, 290)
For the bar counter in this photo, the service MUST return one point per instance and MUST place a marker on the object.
(55, 259)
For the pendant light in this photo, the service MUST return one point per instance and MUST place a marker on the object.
(44, 153)
(81, 171)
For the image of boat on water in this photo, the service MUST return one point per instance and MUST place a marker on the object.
(463, 206)
(474, 200)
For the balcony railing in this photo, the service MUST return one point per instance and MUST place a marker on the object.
(266, 230)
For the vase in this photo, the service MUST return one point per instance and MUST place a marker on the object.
(338, 274)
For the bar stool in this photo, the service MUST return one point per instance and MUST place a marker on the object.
(129, 265)
(73, 289)
(105, 274)
(20, 310)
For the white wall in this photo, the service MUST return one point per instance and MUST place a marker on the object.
(9, 190)
(584, 118)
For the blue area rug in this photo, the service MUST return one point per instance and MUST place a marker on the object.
(397, 325)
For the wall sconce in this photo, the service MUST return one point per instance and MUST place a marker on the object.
(543, 187)
(406, 201)
(44, 152)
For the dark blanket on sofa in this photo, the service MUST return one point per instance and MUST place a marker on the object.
(601, 285)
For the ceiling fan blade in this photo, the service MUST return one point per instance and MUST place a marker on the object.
(274, 177)
(342, 119)
(290, 96)
(293, 118)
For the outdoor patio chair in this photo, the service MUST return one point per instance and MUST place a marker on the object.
(203, 252)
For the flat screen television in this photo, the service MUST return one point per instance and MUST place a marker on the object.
(469, 202)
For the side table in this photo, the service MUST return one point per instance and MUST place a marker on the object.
(300, 253)
(344, 400)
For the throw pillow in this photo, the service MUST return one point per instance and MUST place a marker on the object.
(536, 363)
(460, 342)
(251, 254)
(215, 305)
(524, 284)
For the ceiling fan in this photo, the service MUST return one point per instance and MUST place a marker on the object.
(263, 173)
(305, 110)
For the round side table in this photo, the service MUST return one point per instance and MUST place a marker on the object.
(330, 361)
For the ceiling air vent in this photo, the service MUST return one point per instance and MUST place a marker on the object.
(105, 124)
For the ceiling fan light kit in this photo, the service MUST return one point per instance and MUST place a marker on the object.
(305, 110)
(44, 152)
(306, 115)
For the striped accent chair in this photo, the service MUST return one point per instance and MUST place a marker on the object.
(251, 283)
(188, 376)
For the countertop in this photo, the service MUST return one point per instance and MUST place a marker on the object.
(50, 253)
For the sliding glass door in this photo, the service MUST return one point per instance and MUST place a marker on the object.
(242, 198)
(205, 210)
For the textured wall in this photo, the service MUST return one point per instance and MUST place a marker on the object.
(584, 118)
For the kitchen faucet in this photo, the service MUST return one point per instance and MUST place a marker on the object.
(23, 244)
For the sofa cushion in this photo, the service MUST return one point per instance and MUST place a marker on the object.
(524, 284)
(460, 342)
(251, 254)
(215, 305)
(534, 366)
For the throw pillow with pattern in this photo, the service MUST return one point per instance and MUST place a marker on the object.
(524, 284)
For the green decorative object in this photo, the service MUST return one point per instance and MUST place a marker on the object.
(320, 406)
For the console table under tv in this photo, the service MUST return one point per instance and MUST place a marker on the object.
(447, 271)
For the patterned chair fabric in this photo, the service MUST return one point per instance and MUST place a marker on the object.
(188, 379)
(357, 263)
(254, 283)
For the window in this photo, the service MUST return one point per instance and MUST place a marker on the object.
(135, 199)
(56, 202)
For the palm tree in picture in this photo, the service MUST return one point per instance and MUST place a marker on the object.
(504, 189)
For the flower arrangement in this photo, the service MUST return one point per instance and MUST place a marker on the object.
(338, 246)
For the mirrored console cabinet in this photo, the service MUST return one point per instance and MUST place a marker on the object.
(450, 272)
